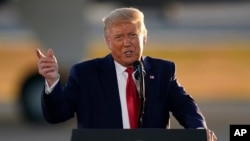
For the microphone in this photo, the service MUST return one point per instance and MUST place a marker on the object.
(139, 69)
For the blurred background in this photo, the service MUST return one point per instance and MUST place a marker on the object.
(209, 40)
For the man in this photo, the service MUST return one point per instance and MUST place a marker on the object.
(96, 89)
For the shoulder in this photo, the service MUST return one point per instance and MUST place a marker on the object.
(158, 62)
(162, 66)
(92, 65)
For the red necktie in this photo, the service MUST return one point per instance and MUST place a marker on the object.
(132, 100)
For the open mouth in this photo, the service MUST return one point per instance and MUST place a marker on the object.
(128, 52)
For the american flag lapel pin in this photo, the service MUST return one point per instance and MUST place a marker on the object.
(151, 77)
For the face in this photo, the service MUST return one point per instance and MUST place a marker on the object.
(125, 42)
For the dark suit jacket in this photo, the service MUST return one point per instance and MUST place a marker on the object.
(91, 94)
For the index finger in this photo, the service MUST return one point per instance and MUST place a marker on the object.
(39, 53)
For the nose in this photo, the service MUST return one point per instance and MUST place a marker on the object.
(127, 42)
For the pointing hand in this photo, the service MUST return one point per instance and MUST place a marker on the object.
(48, 66)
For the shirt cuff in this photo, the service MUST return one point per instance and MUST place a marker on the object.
(48, 89)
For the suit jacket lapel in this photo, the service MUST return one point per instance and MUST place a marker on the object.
(110, 88)
(150, 78)
(151, 81)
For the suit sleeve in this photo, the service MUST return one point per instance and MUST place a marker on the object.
(59, 105)
(183, 106)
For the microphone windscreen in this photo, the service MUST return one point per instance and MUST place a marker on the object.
(136, 63)
(137, 67)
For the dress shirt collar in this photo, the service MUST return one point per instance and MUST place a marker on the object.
(119, 68)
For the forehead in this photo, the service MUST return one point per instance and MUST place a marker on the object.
(124, 27)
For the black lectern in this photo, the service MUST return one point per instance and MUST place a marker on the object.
(141, 134)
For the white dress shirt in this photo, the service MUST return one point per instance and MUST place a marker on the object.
(122, 76)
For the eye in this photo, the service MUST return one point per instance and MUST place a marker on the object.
(118, 38)
(133, 35)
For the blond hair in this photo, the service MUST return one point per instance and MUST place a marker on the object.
(122, 15)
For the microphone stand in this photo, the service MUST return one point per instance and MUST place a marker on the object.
(139, 75)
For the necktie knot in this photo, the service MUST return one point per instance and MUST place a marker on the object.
(129, 70)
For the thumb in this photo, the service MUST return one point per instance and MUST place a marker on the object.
(50, 53)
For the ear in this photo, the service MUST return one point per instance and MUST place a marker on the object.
(108, 42)
(144, 40)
